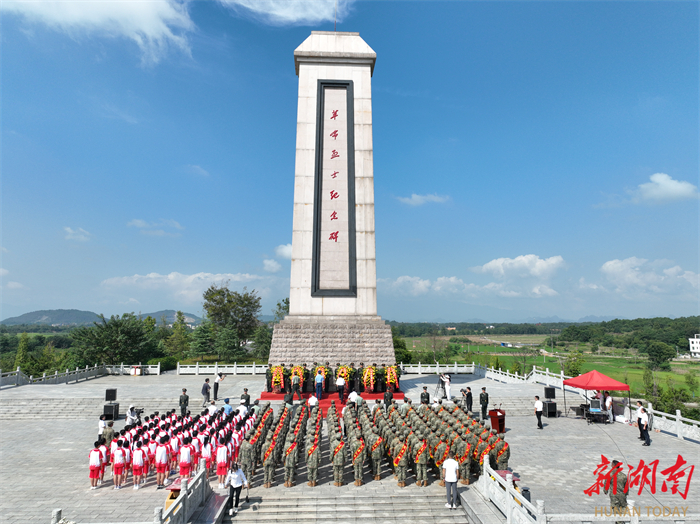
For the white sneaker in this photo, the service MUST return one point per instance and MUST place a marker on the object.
(230, 512)
(136, 486)
(454, 506)
(93, 487)
(235, 511)
(448, 505)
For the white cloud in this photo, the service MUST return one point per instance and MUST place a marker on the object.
(271, 266)
(154, 25)
(582, 284)
(634, 277)
(286, 12)
(187, 288)
(522, 266)
(154, 228)
(5, 250)
(3, 272)
(79, 235)
(543, 290)
(419, 200)
(196, 170)
(14, 285)
(284, 251)
(663, 189)
(408, 285)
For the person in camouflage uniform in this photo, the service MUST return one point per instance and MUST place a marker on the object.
(376, 452)
(441, 452)
(400, 455)
(421, 455)
(617, 489)
(290, 461)
(359, 452)
(268, 461)
(502, 453)
(313, 458)
(462, 450)
(246, 456)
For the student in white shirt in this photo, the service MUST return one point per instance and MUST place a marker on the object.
(451, 472)
(95, 461)
(235, 480)
(538, 411)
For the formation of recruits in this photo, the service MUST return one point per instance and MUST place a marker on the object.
(409, 439)
(169, 444)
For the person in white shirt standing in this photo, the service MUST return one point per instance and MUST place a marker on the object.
(235, 480)
(340, 385)
(609, 407)
(451, 472)
(644, 423)
(538, 412)
(637, 416)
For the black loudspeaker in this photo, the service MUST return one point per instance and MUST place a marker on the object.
(549, 409)
(111, 411)
(549, 392)
(111, 395)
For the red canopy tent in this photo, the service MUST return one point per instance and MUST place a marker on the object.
(595, 380)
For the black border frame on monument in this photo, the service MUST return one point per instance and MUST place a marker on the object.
(316, 291)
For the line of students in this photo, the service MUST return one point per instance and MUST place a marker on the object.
(168, 444)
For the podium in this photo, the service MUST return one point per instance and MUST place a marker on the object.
(498, 420)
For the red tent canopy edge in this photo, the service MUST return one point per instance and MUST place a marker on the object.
(596, 380)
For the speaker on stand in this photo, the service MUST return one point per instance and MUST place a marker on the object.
(111, 409)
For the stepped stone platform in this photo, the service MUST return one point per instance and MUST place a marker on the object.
(308, 339)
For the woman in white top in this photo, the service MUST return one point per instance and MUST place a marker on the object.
(219, 378)
(235, 480)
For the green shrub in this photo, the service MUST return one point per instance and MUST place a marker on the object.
(166, 363)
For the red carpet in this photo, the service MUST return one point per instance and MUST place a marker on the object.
(327, 397)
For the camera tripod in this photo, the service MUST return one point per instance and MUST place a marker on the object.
(440, 387)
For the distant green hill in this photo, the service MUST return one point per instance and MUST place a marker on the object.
(53, 316)
(75, 317)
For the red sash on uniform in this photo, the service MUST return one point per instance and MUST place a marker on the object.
(269, 450)
(420, 451)
(290, 448)
(359, 450)
(439, 463)
(337, 449)
(466, 454)
(376, 444)
(313, 447)
(485, 452)
(476, 448)
(505, 447)
(400, 454)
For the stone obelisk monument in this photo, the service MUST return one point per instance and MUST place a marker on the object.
(333, 292)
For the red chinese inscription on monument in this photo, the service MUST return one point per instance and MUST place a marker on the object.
(334, 174)
(334, 154)
(334, 236)
(334, 194)
(334, 215)
(335, 114)
(334, 134)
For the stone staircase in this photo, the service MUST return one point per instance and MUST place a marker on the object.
(80, 408)
(367, 506)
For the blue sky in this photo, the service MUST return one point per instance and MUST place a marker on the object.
(532, 159)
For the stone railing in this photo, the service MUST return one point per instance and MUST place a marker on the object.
(425, 369)
(18, 378)
(502, 493)
(193, 494)
(229, 369)
(682, 427)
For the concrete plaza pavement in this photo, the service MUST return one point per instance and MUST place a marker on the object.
(43, 461)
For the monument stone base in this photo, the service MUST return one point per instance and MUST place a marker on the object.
(334, 339)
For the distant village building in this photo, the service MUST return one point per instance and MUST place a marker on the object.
(450, 328)
(695, 346)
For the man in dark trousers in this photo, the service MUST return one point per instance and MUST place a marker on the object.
(206, 389)
(469, 400)
(484, 401)
(425, 396)
(388, 397)
(538, 411)
(184, 402)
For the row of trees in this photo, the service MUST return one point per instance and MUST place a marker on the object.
(420, 329)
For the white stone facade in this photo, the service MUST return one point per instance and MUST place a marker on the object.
(695, 346)
(333, 56)
(322, 326)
